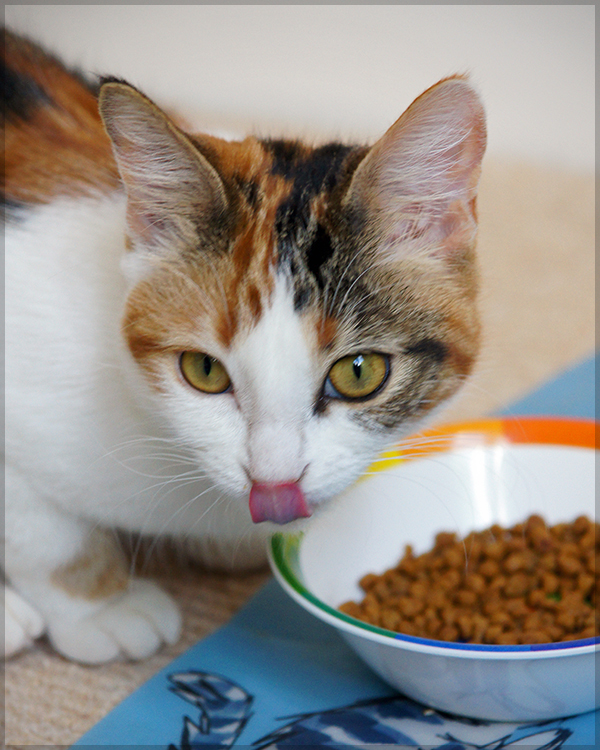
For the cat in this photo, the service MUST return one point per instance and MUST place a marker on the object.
(208, 338)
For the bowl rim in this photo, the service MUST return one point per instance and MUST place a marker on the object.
(283, 549)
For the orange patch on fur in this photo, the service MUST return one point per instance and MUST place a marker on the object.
(250, 273)
(326, 331)
(99, 572)
(58, 146)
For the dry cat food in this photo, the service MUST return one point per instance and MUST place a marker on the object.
(530, 583)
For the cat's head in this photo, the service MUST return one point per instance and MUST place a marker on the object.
(297, 309)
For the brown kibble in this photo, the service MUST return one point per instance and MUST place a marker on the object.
(480, 625)
(559, 530)
(516, 561)
(449, 580)
(547, 561)
(380, 589)
(495, 550)
(438, 598)
(368, 581)
(466, 626)
(351, 608)
(532, 621)
(542, 540)
(491, 606)
(536, 598)
(585, 584)
(407, 628)
(448, 615)
(475, 582)
(474, 549)
(588, 540)
(549, 583)
(581, 525)
(466, 597)
(444, 539)
(517, 585)
(500, 617)
(411, 607)
(570, 549)
(568, 565)
(534, 523)
(389, 619)
(489, 568)
(493, 633)
(517, 607)
(527, 584)
(448, 633)
(566, 620)
(419, 590)
(507, 639)
(454, 556)
(536, 636)
(497, 584)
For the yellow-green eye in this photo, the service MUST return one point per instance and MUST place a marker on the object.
(357, 376)
(204, 372)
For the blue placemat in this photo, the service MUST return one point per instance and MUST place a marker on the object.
(276, 677)
(570, 394)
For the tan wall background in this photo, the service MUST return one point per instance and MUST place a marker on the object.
(345, 70)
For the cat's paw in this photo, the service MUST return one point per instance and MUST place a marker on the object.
(22, 623)
(132, 626)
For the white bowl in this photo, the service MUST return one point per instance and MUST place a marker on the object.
(460, 479)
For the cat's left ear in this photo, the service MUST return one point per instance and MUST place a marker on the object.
(417, 185)
(173, 191)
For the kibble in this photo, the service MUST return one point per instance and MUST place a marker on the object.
(530, 583)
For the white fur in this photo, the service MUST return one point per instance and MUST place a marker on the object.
(89, 443)
(22, 623)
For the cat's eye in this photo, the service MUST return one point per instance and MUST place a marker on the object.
(203, 372)
(357, 376)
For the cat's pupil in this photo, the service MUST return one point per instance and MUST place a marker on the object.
(207, 366)
(357, 366)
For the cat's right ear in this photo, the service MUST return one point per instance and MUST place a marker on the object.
(173, 192)
(417, 185)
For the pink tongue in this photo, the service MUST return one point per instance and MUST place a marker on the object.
(279, 503)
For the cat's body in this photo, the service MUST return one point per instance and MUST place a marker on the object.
(213, 334)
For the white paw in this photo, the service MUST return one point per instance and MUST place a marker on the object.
(133, 625)
(22, 623)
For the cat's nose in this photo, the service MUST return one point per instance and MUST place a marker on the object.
(276, 454)
(277, 502)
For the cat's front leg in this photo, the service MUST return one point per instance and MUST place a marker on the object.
(22, 623)
(93, 611)
(76, 577)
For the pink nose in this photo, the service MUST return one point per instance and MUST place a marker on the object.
(279, 503)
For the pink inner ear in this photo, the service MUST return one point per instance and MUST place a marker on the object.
(279, 503)
(143, 222)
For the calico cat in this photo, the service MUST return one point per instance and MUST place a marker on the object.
(207, 337)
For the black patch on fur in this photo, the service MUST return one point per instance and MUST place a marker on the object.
(319, 252)
(302, 296)
(285, 155)
(12, 211)
(20, 94)
(249, 189)
(430, 349)
(310, 173)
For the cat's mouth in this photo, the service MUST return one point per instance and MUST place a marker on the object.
(278, 503)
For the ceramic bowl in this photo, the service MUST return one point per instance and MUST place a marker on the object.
(462, 478)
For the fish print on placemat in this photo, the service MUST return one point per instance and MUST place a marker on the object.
(224, 709)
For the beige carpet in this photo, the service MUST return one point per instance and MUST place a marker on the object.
(537, 257)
